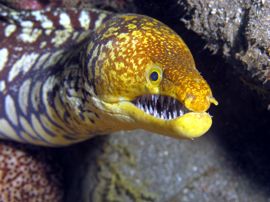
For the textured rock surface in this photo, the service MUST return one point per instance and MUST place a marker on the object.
(28, 174)
(238, 29)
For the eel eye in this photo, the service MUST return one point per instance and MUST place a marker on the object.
(154, 76)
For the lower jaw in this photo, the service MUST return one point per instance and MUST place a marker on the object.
(188, 126)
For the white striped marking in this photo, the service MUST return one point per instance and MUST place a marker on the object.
(2, 86)
(100, 20)
(27, 24)
(84, 19)
(10, 29)
(24, 95)
(10, 109)
(60, 37)
(43, 44)
(65, 21)
(46, 23)
(53, 59)
(24, 64)
(43, 59)
(39, 128)
(82, 36)
(49, 125)
(27, 127)
(3, 58)
(7, 130)
(29, 35)
(35, 95)
(18, 48)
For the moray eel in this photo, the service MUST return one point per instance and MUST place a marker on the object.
(67, 75)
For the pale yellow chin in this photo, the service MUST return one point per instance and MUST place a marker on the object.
(187, 126)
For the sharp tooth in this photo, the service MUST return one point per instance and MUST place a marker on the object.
(181, 112)
(142, 105)
(138, 104)
(145, 103)
(150, 109)
(158, 115)
(174, 110)
(161, 115)
(161, 100)
(164, 115)
(174, 114)
(174, 102)
(146, 109)
(155, 113)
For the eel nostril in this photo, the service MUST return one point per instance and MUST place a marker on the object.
(213, 100)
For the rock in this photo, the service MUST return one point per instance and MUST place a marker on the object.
(28, 174)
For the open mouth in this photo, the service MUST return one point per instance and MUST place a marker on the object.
(159, 106)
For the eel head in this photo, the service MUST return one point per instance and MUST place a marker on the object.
(145, 77)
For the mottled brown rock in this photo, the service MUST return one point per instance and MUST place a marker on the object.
(27, 175)
(237, 29)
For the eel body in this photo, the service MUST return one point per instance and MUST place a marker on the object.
(67, 75)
